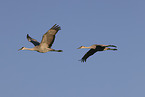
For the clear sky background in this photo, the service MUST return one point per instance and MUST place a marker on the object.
(84, 22)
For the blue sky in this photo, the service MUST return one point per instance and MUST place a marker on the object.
(84, 22)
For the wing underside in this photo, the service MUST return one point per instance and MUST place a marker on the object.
(88, 54)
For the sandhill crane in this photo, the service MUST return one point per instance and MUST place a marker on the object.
(94, 48)
(46, 42)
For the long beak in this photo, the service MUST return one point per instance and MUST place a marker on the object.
(79, 48)
(20, 49)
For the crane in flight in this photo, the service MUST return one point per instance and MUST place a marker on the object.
(46, 42)
(95, 48)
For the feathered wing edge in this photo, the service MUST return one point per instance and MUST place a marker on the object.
(35, 42)
(49, 37)
(88, 54)
(56, 27)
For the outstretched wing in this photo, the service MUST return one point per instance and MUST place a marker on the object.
(49, 36)
(89, 53)
(35, 42)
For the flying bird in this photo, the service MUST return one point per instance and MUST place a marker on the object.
(94, 48)
(46, 42)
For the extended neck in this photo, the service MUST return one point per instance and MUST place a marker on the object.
(31, 49)
(86, 47)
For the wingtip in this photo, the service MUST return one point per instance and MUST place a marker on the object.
(28, 36)
(82, 60)
(56, 27)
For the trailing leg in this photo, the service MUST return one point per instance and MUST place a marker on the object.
(111, 46)
(110, 49)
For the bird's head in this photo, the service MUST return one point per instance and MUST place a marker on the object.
(21, 48)
(81, 47)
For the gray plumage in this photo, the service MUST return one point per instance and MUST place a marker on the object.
(46, 42)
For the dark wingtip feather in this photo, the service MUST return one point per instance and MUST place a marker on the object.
(28, 37)
(56, 27)
(82, 60)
